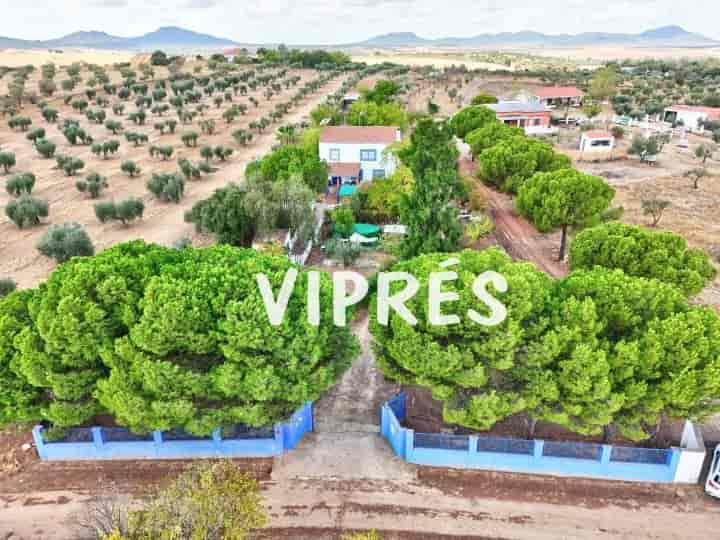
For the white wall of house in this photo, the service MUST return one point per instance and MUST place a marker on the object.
(690, 119)
(371, 157)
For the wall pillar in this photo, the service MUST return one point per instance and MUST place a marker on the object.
(39, 442)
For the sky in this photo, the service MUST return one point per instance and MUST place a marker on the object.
(347, 21)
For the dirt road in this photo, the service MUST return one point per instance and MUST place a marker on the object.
(345, 477)
(516, 235)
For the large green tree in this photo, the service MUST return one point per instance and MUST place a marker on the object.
(562, 199)
(489, 135)
(631, 351)
(369, 113)
(645, 253)
(509, 163)
(288, 161)
(427, 211)
(163, 338)
(471, 118)
(470, 367)
(224, 214)
(19, 401)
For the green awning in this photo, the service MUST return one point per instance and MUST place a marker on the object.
(366, 229)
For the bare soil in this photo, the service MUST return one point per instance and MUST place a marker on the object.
(163, 222)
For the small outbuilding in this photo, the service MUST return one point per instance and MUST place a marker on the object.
(597, 141)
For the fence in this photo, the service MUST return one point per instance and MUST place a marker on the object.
(89, 444)
(538, 456)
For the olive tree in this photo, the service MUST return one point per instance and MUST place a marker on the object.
(63, 242)
(26, 211)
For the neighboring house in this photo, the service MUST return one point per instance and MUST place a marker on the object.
(349, 99)
(691, 117)
(358, 153)
(596, 141)
(533, 117)
(557, 96)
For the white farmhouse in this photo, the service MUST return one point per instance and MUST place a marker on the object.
(691, 117)
(358, 153)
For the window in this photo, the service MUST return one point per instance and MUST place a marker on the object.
(334, 154)
(378, 173)
(368, 155)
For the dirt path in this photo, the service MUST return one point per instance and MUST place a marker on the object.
(346, 442)
(344, 477)
(516, 235)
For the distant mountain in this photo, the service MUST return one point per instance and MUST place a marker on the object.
(171, 37)
(667, 36)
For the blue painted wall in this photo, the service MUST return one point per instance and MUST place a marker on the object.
(535, 460)
(286, 436)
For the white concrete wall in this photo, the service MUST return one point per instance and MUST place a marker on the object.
(350, 153)
(692, 455)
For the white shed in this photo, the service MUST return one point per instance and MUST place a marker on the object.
(597, 140)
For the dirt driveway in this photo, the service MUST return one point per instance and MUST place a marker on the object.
(345, 477)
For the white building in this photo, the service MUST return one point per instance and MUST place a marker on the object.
(359, 153)
(691, 117)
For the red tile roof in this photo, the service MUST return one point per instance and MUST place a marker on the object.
(597, 134)
(359, 134)
(344, 169)
(712, 112)
(554, 92)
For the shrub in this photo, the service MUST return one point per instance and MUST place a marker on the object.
(70, 165)
(189, 138)
(7, 285)
(93, 185)
(62, 242)
(108, 147)
(20, 183)
(165, 152)
(50, 115)
(125, 211)
(167, 187)
(7, 161)
(343, 221)
(136, 138)
(20, 122)
(113, 126)
(618, 132)
(342, 250)
(35, 135)
(130, 168)
(45, 148)
(26, 210)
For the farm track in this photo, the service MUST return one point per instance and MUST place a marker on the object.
(344, 477)
(516, 235)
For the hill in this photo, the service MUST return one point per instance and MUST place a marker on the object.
(172, 37)
(667, 36)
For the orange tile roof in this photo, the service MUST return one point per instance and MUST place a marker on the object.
(712, 112)
(359, 134)
(553, 92)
